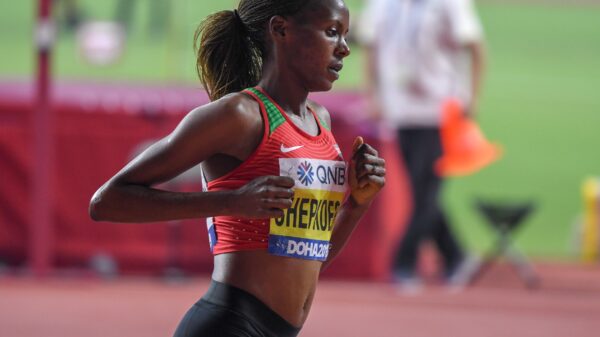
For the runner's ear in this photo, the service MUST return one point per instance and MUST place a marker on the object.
(277, 26)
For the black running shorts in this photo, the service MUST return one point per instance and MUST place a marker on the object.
(227, 311)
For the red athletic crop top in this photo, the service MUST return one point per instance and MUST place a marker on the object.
(316, 165)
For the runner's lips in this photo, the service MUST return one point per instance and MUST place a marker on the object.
(337, 67)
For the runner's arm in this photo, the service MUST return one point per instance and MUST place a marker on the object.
(366, 178)
(221, 127)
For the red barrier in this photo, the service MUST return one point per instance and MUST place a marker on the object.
(99, 127)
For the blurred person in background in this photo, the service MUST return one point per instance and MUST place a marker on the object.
(158, 15)
(70, 14)
(275, 191)
(422, 53)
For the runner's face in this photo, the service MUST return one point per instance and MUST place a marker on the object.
(316, 44)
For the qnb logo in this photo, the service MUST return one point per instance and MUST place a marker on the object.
(331, 175)
(306, 173)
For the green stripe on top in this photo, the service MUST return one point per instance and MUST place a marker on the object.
(325, 125)
(273, 114)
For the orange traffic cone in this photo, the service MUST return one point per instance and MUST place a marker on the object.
(465, 148)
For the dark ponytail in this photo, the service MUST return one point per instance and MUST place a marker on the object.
(231, 46)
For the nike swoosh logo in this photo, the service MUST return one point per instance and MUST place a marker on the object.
(290, 149)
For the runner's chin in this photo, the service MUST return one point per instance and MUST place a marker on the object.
(333, 74)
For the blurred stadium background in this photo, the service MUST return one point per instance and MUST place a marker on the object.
(541, 101)
(540, 98)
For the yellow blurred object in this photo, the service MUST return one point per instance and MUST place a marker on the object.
(465, 148)
(591, 220)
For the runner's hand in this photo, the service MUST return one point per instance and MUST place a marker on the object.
(367, 172)
(264, 197)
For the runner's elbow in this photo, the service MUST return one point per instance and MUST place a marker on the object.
(95, 208)
(99, 207)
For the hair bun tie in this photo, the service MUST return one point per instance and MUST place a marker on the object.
(237, 16)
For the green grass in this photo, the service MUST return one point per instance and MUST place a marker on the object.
(145, 59)
(541, 100)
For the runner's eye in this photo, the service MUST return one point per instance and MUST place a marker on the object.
(331, 32)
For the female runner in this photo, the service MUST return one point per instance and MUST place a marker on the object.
(276, 193)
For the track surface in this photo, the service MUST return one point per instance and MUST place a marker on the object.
(567, 304)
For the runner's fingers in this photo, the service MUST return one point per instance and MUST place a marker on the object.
(371, 179)
(279, 192)
(371, 159)
(271, 213)
(369, 162)
(280, 181)
(369, 169)
(365, 149)
(363, 170)
(278, 203)
(378, 171)
(358, 142)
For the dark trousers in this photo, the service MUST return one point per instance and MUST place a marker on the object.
(420, 149)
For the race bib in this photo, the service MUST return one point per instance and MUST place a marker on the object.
(305, 228)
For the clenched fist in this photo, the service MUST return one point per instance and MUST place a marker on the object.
(264, 197)
(367, 172)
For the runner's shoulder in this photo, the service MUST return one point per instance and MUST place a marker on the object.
(234, 111)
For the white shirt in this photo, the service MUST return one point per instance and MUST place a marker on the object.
(420, 59)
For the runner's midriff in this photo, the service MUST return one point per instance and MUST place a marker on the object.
(286, 285)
